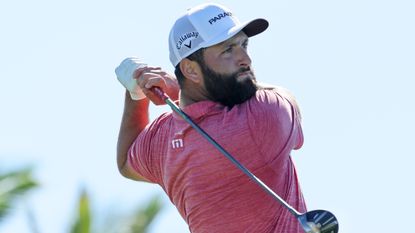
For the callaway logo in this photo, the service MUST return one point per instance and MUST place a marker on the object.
(219, 17)
(187, 36)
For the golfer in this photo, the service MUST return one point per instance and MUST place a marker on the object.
(214, 83)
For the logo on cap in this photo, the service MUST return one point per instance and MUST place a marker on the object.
(188, 36)
(219, 17)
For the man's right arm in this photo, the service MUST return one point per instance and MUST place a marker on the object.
(136, 114)
(134, 120)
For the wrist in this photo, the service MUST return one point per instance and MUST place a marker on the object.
(137, 94)
(136, 110)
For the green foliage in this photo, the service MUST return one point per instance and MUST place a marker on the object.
(83, 219)
(14, 185)
(143, 217)
(136, 222)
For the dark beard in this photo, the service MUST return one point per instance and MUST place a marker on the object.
(227, 89)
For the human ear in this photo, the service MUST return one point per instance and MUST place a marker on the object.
(191, 70)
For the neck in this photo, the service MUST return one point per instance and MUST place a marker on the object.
(190, 95)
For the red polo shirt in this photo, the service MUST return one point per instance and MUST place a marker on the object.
(210, 192)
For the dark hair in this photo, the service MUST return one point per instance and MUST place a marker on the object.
(197, 57)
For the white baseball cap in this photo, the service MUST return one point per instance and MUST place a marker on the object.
(206, 25)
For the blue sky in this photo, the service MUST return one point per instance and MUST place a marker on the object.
(349, 63)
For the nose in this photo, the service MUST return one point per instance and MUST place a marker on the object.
(243, 58)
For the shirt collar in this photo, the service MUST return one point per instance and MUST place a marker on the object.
(199, 109)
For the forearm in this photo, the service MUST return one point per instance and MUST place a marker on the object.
(134, 120)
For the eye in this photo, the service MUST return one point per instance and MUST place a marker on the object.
(228, 49)
(245, 44)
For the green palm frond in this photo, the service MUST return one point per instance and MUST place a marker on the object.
(12, 186)
(83, 219)
(136, 222)
(143, 217)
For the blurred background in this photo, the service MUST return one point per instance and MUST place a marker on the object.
(351, 65)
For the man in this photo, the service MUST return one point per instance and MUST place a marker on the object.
(217, 88)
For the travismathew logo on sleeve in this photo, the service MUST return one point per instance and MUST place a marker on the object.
(188, 36)
(219, 17)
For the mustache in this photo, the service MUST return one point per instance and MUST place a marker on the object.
(243, 69)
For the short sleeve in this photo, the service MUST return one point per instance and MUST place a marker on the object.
(296, 115)
(275, 123)
(144, 156)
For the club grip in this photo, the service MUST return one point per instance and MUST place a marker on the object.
(160, 93)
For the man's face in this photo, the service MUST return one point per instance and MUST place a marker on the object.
(227, 73)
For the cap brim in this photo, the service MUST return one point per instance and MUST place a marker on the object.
(255, 27)
(250, 28)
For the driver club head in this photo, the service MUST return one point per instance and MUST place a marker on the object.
(319, 221)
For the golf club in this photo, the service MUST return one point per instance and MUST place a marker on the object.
(315, 221)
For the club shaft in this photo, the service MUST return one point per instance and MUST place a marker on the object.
(268, 190)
